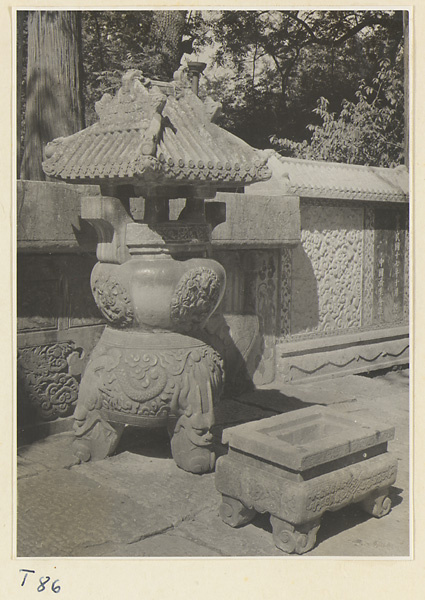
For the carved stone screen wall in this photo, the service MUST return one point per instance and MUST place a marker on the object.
(349, 272)
(344, 288)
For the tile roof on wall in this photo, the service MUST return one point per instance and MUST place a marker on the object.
(320, 179)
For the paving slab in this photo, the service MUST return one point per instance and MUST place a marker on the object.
(51, 453)
(281, 397)
(60, 513)
(165, 545)
(155, 484)
(139, 503)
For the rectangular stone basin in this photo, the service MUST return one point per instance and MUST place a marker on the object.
(308, 437)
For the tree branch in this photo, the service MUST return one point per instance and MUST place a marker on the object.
(367, 22)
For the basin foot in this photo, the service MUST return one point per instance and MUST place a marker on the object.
(234, 513)
(191, 444)
(98, 440)
(290, 538)
(377, 504)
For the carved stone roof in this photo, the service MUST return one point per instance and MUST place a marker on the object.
(319, 179)
(155, 134)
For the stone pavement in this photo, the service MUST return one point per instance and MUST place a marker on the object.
(139, 503)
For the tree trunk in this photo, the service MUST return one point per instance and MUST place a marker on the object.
(406, 86)
(21, 17)
(167, 31)
(54, 105)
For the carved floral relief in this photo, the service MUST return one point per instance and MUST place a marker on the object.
(195, 297)
(49, 377)
(113, 300)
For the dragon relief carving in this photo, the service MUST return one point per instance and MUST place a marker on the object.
(195, 298)
(49, 377)
(112, 300)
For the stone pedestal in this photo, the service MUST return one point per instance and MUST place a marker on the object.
(298, 465)
(150, 367)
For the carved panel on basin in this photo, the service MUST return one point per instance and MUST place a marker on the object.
(195, 297)
(112, 300)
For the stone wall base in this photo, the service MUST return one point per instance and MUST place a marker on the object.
(321, 358)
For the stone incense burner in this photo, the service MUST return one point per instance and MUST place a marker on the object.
(154, 143)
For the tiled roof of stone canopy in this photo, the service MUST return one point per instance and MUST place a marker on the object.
(153, 134)
(319, 179)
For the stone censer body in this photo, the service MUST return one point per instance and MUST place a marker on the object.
(153, 282)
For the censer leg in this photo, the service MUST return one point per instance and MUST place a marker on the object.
(191, 438)
(95, 438)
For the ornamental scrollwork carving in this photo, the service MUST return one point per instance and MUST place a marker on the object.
(149, 383)
(195, 298)
(49, 378)
(112, 300)
(344, 491)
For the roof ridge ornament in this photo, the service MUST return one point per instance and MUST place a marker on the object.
(136, 102)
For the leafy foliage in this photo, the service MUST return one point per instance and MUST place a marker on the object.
(272, 66)
(368, 131)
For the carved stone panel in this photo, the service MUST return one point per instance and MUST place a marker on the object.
(389, 257)
(262, 299)
(327, 269)
(233, 301)
(285, 292)
(82, 309)
(48, 378)
(57, 319)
